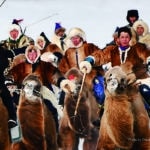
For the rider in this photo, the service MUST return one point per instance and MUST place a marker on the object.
(120, 54)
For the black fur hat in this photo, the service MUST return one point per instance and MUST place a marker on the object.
(132, 13)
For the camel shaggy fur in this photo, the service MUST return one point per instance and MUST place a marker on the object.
(125, 123)
(4, 132)
(36, 121)
(77, 121)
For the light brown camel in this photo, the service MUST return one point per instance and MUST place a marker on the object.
(36, 121)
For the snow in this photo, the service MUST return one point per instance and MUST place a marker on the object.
(98, 18)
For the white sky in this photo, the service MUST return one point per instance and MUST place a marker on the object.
(98, 18)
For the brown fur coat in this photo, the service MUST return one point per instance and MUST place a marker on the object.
(21, 66)
(73, 57)
(137, 56)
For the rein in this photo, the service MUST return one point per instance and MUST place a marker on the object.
(82, 129)
(80, 92)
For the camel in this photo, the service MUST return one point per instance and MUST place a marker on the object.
(36, 120)
(78, 116)
(125, 123)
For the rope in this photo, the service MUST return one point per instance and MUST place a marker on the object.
(78, 101)
(2, 3)
(36, 22)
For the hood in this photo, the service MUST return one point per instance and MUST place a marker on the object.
(143, 24)
(75, 32)
(30, 48)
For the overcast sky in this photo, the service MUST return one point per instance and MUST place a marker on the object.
(98, 18)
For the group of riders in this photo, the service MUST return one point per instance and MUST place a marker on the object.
(75, 51)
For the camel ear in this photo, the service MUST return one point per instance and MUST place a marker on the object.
(67, 86)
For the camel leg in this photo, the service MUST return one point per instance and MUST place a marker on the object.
(91, 141)
(4, 133)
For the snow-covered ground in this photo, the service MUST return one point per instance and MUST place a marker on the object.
(98, 18)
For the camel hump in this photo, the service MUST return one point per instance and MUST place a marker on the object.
(18, 60)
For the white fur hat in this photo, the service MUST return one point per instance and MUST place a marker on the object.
(140, 22)
(15, 26)
(42, 39)
(76, 32)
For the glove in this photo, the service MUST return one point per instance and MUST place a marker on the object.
(107, 66)
(145, 81)
(86, 65)
(67, 86)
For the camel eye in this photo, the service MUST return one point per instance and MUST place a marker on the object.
(109, 80)
(110, 75)
(29, 85)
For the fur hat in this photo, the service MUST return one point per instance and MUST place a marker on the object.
(132, 13)
(15, 26)
(76, 32)
(59, 28)
(40, 38)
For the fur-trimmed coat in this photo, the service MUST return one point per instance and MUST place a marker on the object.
(44, 70)
(137, 55)
(14, 44)
(57, 40)
(73, 57)
(47, 73)
(52, 48)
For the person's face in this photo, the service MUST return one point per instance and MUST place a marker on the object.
(76, 40)
(139, 30)
(132, 19)
(60, 33)
(124, 39)
(40, 43)
(14, 34)
(32, 55)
